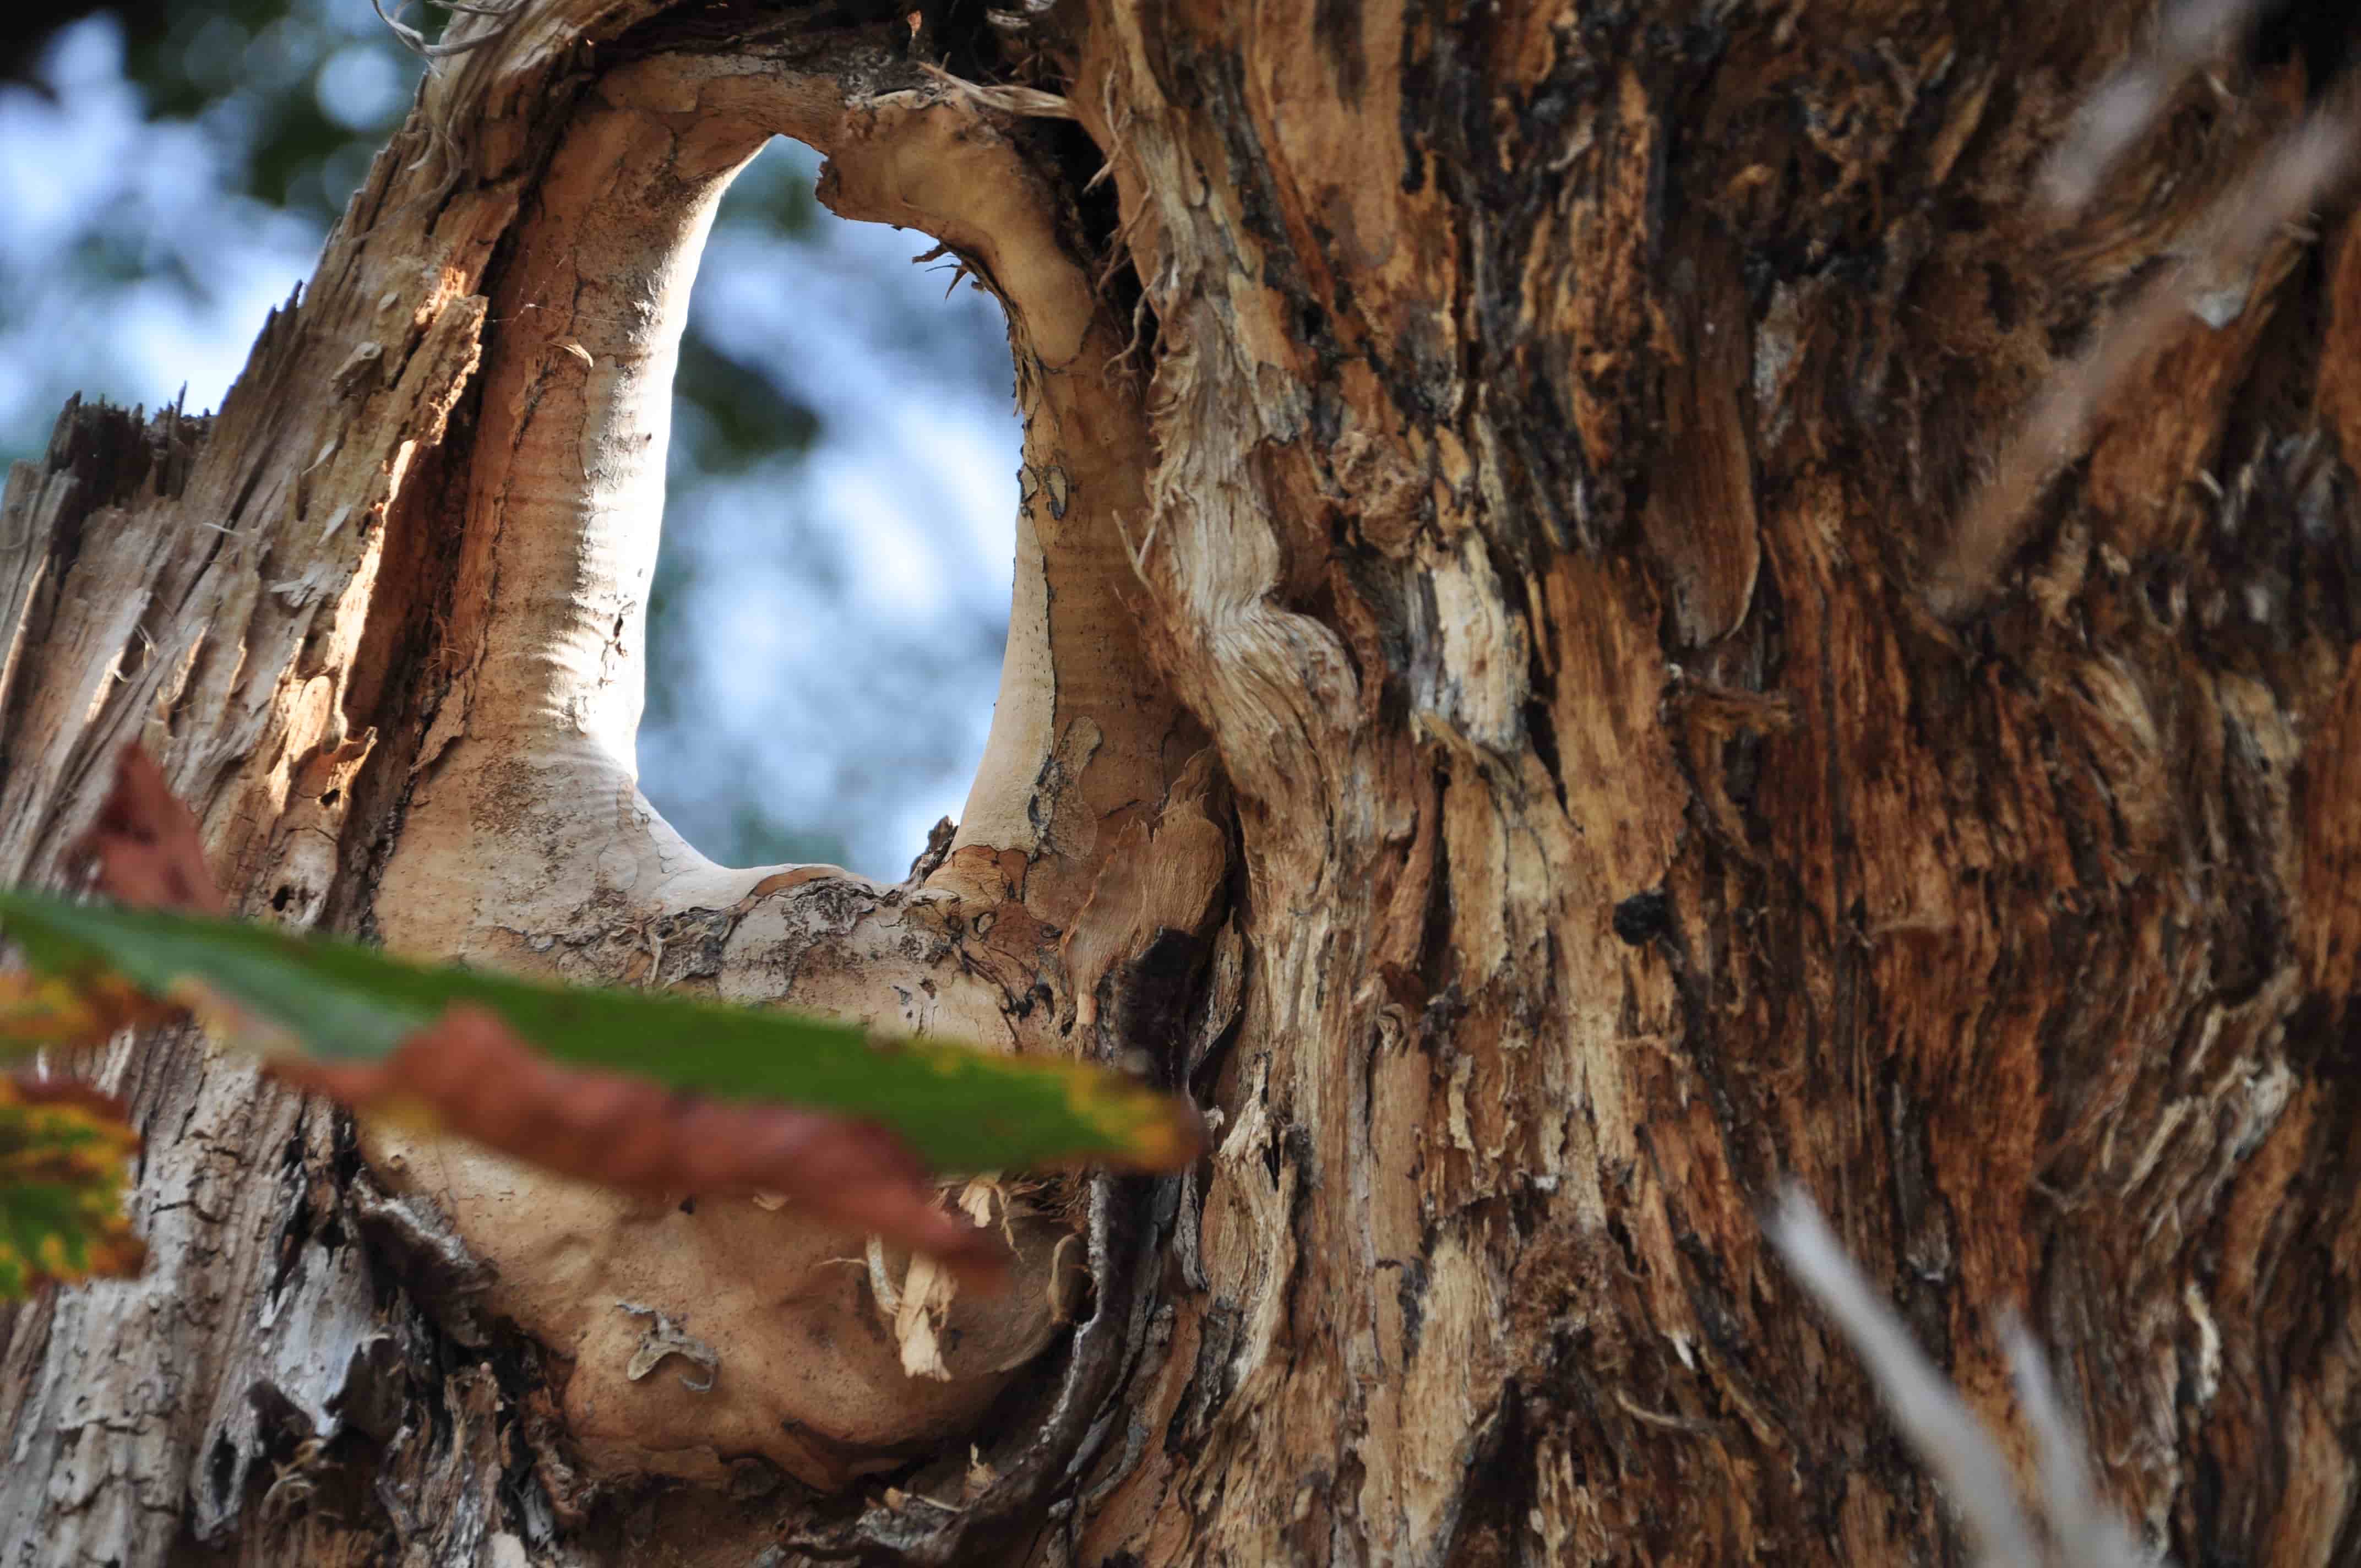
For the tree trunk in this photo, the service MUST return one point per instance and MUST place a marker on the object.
(1499, 703)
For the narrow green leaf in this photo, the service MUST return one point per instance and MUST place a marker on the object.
(959, 1109)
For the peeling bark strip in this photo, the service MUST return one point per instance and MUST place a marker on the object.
(1483, 474)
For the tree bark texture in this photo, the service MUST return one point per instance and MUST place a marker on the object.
(1477, 712)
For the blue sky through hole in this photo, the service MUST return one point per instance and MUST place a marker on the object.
(852, 603)
(831, 610)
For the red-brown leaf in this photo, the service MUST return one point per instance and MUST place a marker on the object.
(482, 1081)
(145, 843)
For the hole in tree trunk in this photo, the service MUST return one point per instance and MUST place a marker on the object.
(830, 604)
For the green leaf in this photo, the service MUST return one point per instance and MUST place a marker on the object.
(959, 1109)
(65, 1164)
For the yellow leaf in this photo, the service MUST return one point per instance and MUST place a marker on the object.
(66, 1153)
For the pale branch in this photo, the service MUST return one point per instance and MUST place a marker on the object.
(1964, 1457)
(2225, 249)
(1024, 103)
(2086, 1533)
(502, 15)
(2189, 33)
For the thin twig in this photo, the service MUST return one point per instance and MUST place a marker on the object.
(2128, 102)
(2083, 1534)
(1950, 1440)
(1024, 103)
(2290, 178)
(2086, 1533)
(507, 13)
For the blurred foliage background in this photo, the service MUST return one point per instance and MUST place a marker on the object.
(825, 634)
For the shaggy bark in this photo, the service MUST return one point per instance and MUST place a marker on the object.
(1487, 477)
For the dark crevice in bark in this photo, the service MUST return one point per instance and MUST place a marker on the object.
(2321, 34)
(1039, 1463)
